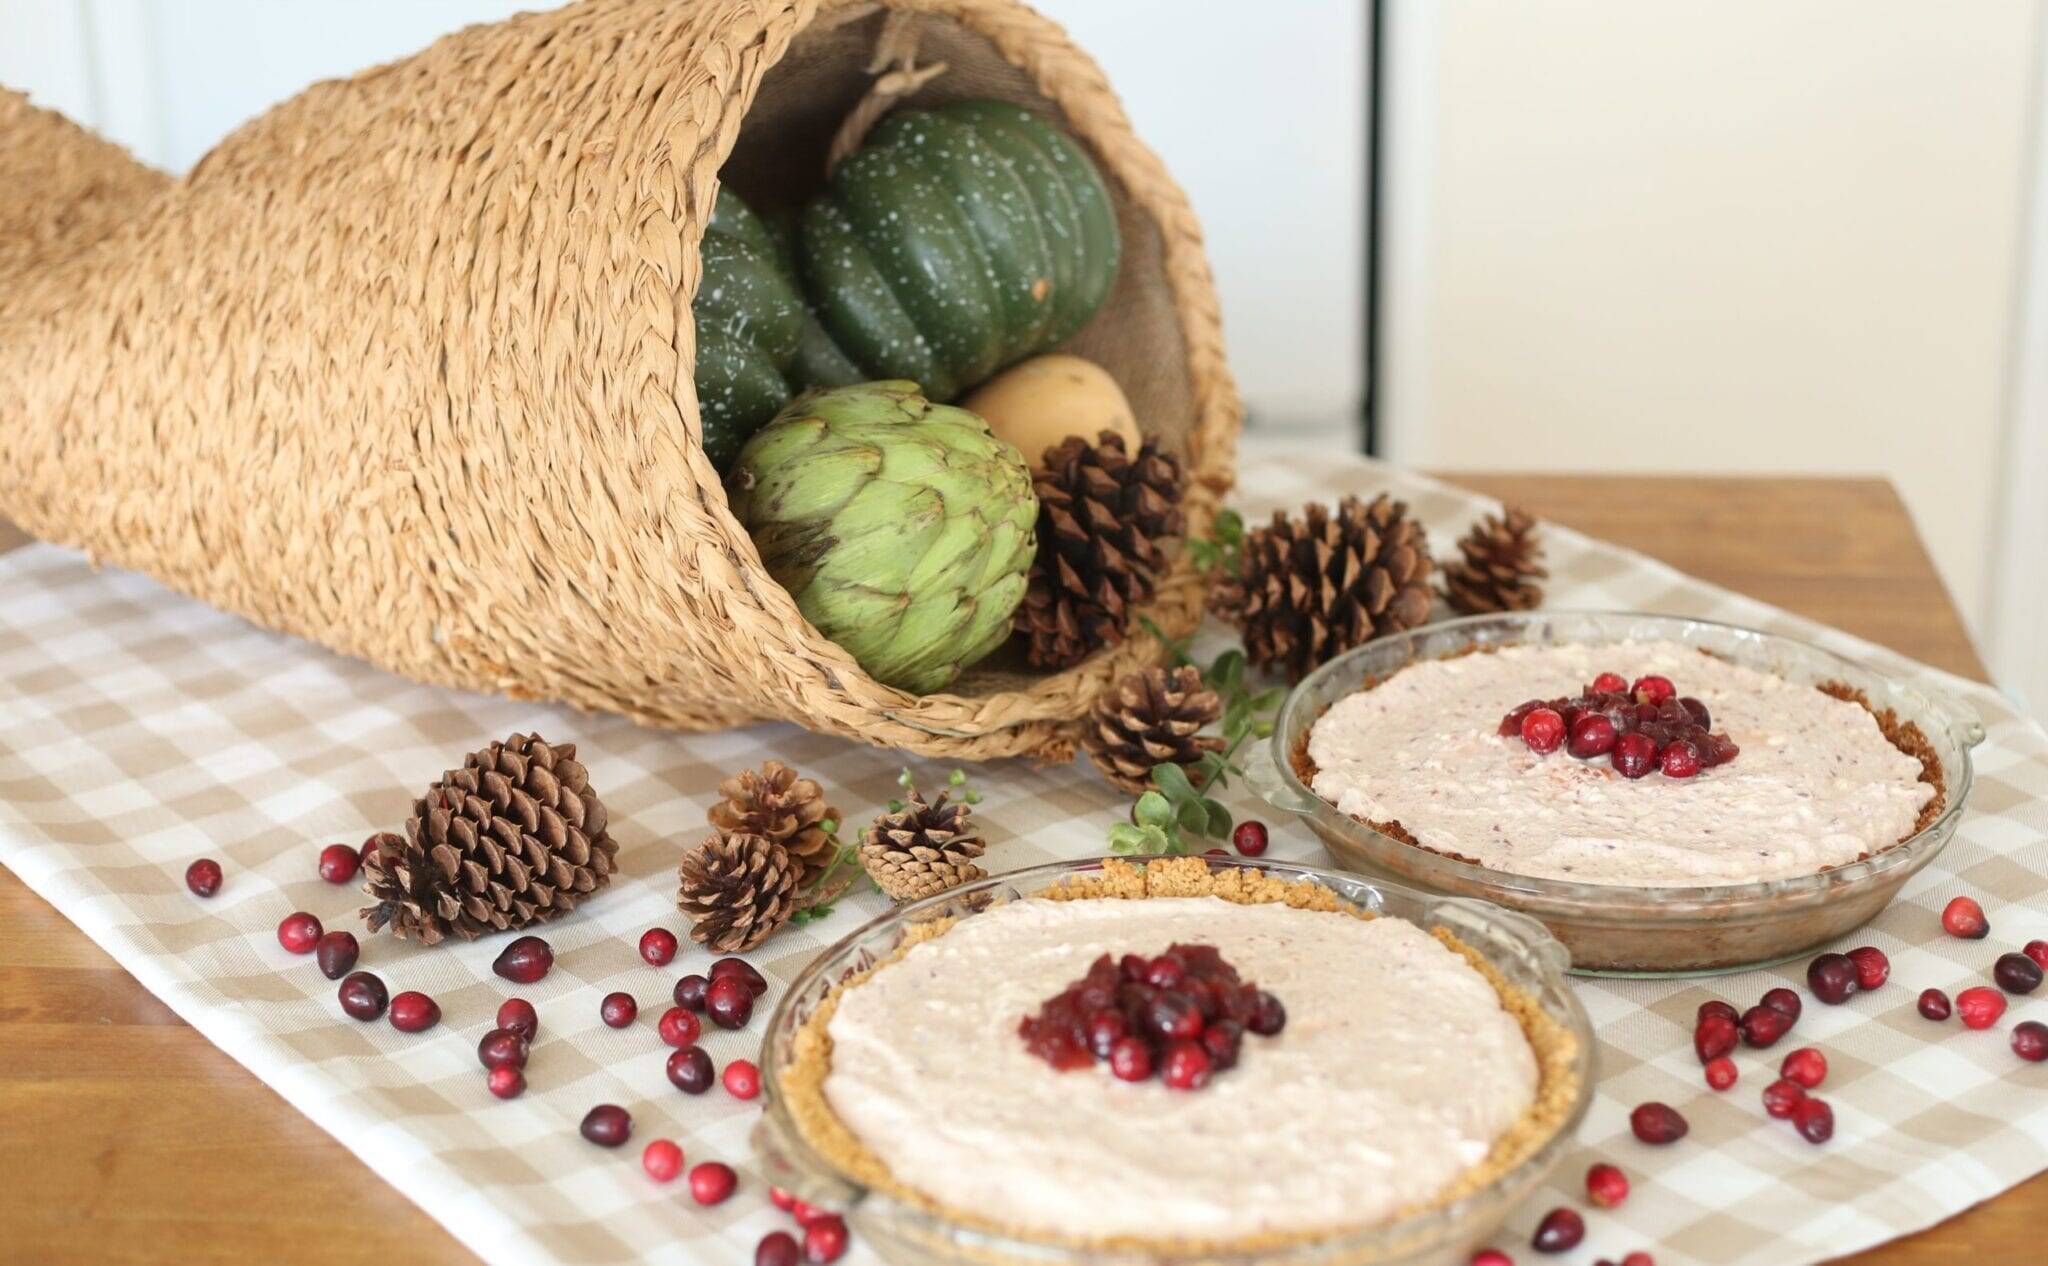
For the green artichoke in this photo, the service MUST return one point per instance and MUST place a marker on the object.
(903, 529)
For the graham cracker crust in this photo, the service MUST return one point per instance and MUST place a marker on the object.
(802, 1081)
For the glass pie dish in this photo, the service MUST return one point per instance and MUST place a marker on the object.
(904, 1230)
(1614, 929)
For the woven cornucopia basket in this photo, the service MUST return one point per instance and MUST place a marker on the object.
(405, 365)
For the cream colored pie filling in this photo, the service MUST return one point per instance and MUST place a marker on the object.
(1817, 783)
(1397, 1071)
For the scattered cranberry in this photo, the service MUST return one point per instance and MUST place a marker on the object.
(1934, 1004)
(1657, 1123)
(203, 877)
(806, 1214)
(607, 1125)
(501, 1048)
(2038, 951)
(1269, 1017)
(506, 1083)
(1651, 688)
(1806, 1066)
(742, 1079)
(1249, 838)
(1491, 1257)
(1130, 1059)
(690, 992)
(1719, 1008)
(1872, 967)
(1610, 684)
(2030, 1040)
(783, 1199)
(1785, 1001)
(1559, 1232)
(1963, 917)
(757, 984)
(712, 1182)
(299, 932)
(338, 863)
(1832, 977)
(1543, 730)
(662, 1160)
(1715, 1037)
(1980, 1006)
(518, 1016)
(363, 996)
(825, 1241)
(729, 1002)
(689, 1070)
(2016, 973)
(1679, 759)
(777, 1248)
(1634, 755)
(414, 1012)
(1762, 1026)
(1639, 1258)
(1592, 735)
(1606, 1185)
(679, 1026)
(336, 952)
(1814, 1120)
(1187, 1066)
(525, 960)
(618, 1009)
(1720, 1073)
(658, 946)
(1782, 1098)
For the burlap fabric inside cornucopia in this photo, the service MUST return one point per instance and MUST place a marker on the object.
(404, 365)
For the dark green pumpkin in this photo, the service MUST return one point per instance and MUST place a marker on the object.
(750, 323)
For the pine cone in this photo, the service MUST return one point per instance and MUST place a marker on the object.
(922, 849)
(1150, 718)
(777, 805)
(1312, 587)
(513, 838)
(738, 891)
(1502, 563)
(1103, 517)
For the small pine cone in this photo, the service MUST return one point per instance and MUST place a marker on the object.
(1149, 718)
(1310, 588)
(1103, 520)
(1502, 561)
(777, 805)
(923, 848)
(513, 838)
(738, 890)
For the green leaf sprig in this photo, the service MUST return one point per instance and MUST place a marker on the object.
(828, 886)
(1221, 549)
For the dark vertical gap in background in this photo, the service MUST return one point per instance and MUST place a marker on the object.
(1375, 132)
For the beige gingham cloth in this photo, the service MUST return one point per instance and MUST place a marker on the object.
(139, 730)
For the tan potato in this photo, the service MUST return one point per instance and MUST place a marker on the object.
(1036, 403)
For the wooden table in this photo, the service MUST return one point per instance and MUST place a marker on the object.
(125, 1137)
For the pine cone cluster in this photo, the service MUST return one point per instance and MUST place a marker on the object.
(1501, 561)
(777, 805)
(1312, 587)
(1151, 718)
(738, 890)
(1103, 519)
(923, 848)
(513, 838)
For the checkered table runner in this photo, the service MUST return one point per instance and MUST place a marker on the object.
(139, 729)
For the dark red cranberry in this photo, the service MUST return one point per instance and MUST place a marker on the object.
(617, 1009)
(363, 996)
(679, 1026)
(1785, 1001)
(1679, 759)
(658, 946)
(1173, 1014)
(662, 1159)
(1832, 977)
(1592, 735)
(298, 932)
(757, 984)
(414, 1012)
(2038, 951)
(1714, 1037)
(1223, 1040)
(777, 1248)
(1719, 750)
(1782, 1098)
(525, 960)
(1806, 1066)
(690, 991)
(1980, 1006)
(2030, 1040)
(1543, 730)
(825, 1241)
(518, 1016)
(608, 1125)
(1610, 684)
(1511, 724)
(742, 1079)
(506, 1083)
(1697, 711)
(1250, 838)
(1719, 1008)
(338, 863)
(203, 877)
(712, 1182)
(1872, 967)
(1606, 1185)
(1657, 1123)
(1651, 688)
(689, 1070)
(1166, 972)
(1559, 1232)
(1934, 1004)
(1269, 1017)
(2016, 973)
(1965, 918)
(1814, 1120)
(1720, 1073)
(336, 952)
(1130, 1059)
(729, 1002)
(379, 843)
(1187, 1066)
(1105, 1029)
(1634, 755)
(501, 1048)
(1762, 1026)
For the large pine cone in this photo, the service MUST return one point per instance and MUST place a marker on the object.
(513, 838)
(1103, 520)
(1501, 561)
(1149, 718)
(922, 848)
(777, 805)
(738, 890)
(1310, 588)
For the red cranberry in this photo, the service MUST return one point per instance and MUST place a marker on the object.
(658, 946)
(1980, 1006)
(1806, 1066)
(662, 1160)
(362, 996)
(607, 1125)
(1104, 1030)
(1543, 730)
(1173, 1014)
(1166, 972)
(414, 1012)
(1785, 1001)
(1719, 1008)
(1491, 1257)
(2038, 951)
(1720, 1073)
(1782, 1098)
(729, 1002)
(689, 1070)
(1130, 1059)
(338, 863)
(1714, 1038)
(1657, 1123)
(1559, 1232)
(1592, 735)
(299, 932)
(742, 1079)
(679, 1026)
(1269, 1017)
(2030, 1040)
(1872, 967)
(1187, 1066)
(203, 877)
(825, 1241)
(618, 1009)
(1651, 688)
(506, 1083)
(712, 1182)
(1249, 838)
(1814, 1120)
(525, 960)
(1679, 759)
(1222, 1040)
(2016, 973)
(517, 1015)
(757, 984)
(1832, 977)
(783, 1199)
(690, 991)
(1697, 711)
(1934, 1004)
(777, 1248)
(1606, 1185)
(376, 844)
(1639, 1258)
(336, 952)
(501, 1048)
(1634, 755)
(1610, 684)
(1965, 918)
(1762, 1026)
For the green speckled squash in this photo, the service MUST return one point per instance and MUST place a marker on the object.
(750, 326)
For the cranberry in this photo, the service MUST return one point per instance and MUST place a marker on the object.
(1697, 711)
(299, 932)
(501, 1048)
(1934, 1004)
(1980, 1006)
(1104, 1029)
(1511, 724)
(662, 1160)
(1173, 1014)
(1782, 1098)
(414, 1012)
(607, 1125)
(690, 991)
(1762, 1026)
(712, 1182)
(1166, 972)
(1130, 1059)
(689, 1070)
(2038, 951)
(729, 1003)
(336, 952)
(1269, 1017)
(363, 996)
(1814, 1120)
(517, 1015)
(2030, 1040)
(1639, 1258)
(825, 1240)
(1872, 967)
(2016, 973)
(679, 1026)
(1785, 1001)
(1714, 1038)
(525, 960)
(777, 1248)
(1965, 918)
(1559, 1232)
(338, 863)
(1679, 760)
(1592, 735)
(742, 1079)
(618, 1009)
(1720, 1073)
(757, 984)
(1491, 1257)
(658, 946)
(1657, 1123)
(1223, 1040)
(1634, 755)
(1716, 1008)
(1606, 1185)
(375, 845)
(203, 877)
(1543, 730)
(1187, 1066)
(1610, 684)
(506, 1083)
(1653, 689)
(1249, 838)
(1806, 1066)
(1832, 977)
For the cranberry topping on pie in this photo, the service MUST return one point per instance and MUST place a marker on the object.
(1182, 1014)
